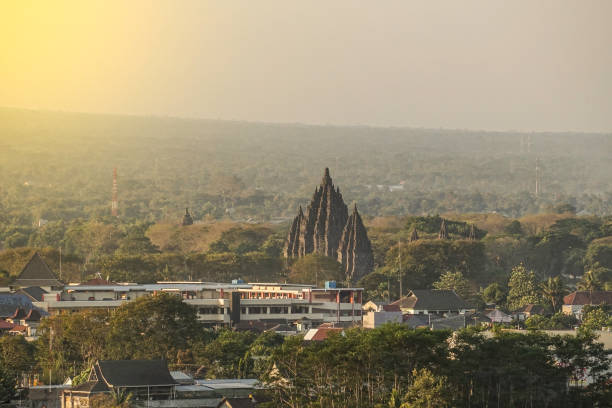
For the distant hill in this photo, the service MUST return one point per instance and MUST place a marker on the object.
(57, 165)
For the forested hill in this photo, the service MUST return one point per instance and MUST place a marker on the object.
(59, 166)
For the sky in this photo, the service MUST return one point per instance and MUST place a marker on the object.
(526, 65)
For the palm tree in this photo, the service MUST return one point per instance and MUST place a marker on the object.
(121, 398)
(553, 291)
(589, 282)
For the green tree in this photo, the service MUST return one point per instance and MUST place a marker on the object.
(316, 269)
(16, 354)
(455, 281)
(494, 293)
(150, 327)
(426, 391)
(596, 318)
(590, 281)
(522, 288)
(8, 384)
(514, 228)
(553, 291)
(117, 398)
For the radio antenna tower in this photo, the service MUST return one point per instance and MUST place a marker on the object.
(114, 203)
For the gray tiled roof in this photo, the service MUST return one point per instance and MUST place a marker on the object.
(428, 299)
(37, 273)
(133, 373)
(33, 292)
(9, 303)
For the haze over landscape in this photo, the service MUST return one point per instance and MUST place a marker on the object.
(306, 204)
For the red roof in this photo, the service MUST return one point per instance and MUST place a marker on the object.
(6, 325)
(19, 328)
(586, 297)
(322, 333)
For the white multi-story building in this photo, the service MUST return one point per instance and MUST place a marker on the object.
(219, 303)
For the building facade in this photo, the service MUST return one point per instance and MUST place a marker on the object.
(220, 304)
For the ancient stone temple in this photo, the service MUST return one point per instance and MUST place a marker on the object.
(355, 250)
(324, 225)
(187, 220)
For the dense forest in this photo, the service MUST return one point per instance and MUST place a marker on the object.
(58, 166)
(244, 181)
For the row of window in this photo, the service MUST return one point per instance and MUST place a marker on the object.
(276, 310)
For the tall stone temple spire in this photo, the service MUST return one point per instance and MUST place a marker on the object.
(355, 250)
(443, 234)
(187, 220)
(472, 233)
(414, 236)
(321, 228)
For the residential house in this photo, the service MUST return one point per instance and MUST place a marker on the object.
(529, 310)
(37, 273)
(428, 301)
(146, 380)
(575, 302)
(382, 314)
(322, 333)
(28, 319)
(497, 316)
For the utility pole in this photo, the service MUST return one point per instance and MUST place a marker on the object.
(538, 176)
(115, 202)
(400, 267)
(60, 262)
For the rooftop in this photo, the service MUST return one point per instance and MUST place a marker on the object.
(135, 373)
(37, 273)
(595, 297)
(429, 299)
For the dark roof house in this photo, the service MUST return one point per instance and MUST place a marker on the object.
(143, 378)
(428, 300)
(9, 303)
(34, 293)
(37, 273)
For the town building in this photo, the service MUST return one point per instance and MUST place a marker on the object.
(221, 304)
(149, 383)
(145, 380)
(430, 301)
(575, 301)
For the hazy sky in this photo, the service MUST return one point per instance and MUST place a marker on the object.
(528, 65)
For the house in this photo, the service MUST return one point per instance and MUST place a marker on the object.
(9, 302)
(371, 306)
(146, 380)
(236, 403)
(28, 319)
(428, 301)
(497, 316)
(321, 333)
(376, 318)
(574, 302)
(37, 273)
(34, 293)
(529, 310)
